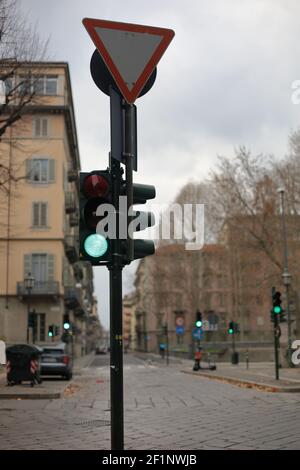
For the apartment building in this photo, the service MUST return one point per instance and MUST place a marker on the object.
(40, 271)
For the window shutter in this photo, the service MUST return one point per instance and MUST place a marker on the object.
(27, 264)
(50, 267)
(44, 127)
(29, 169)
(51, 163)
(37, 127)
(35, 214)
(43, 218)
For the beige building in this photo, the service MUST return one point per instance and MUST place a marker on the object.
(39, 218)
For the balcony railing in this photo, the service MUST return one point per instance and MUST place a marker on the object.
(70, 202)
(72, 175)
(72, 297)
(40, 288)
(74, 219)
(71, 248)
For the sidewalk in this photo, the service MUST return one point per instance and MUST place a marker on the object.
(259, 375)
(50, 388)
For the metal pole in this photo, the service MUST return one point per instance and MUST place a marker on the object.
(28, 314)
(115, 278)
(286, 276)
(276, 344)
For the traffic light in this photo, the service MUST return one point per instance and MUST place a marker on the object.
(231, 328)
(66, 321)
(277, 310)
(94, 192)
(198, 322)
(137, 221)
(51, 331)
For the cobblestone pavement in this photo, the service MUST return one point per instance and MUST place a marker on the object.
(164, 409)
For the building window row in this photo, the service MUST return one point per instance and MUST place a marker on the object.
(37, 84)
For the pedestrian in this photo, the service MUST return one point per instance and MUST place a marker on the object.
(162, 348)
(198, 357)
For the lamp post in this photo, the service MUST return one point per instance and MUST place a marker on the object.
(29, 284)
(286, 275)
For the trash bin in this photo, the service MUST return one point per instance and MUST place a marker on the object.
(23, 364)
(235, 358)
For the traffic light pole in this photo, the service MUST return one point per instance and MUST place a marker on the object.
(115, 285)
(276, 346)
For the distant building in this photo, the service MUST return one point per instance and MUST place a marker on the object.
(39, 218)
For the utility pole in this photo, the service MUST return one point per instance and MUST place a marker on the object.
(286, 276)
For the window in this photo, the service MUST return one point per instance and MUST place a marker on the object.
(41, 266)
(39, 214)
(38, 84)
(41, 170)
(40, 327)
(40, 127)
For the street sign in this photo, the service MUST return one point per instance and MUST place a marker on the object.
(130, 51)
(180, 330)
(197, 333)
(179, 321)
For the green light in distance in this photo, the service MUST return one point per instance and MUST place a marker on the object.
(95, 245)
(230, 331)
(50, 334)
(277, 309)
(66, 326)
(198, 323)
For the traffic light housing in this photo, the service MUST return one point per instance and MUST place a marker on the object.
(137, 221)
(94, 192)
(231, 328)
(51, 331)
(198, 322)
(277, 311)
(66, 321)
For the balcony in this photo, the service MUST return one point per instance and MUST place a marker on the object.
(41, 288)
(70, 202)
(71, 248)
(74, 219)
(72, 297)
(72, 175)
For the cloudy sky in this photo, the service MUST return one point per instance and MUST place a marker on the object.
(225, 80)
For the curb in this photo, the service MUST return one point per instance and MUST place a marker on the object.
(247, 383)
(30, 396)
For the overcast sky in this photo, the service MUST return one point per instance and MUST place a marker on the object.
(225, 80)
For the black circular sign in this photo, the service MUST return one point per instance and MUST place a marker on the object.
(103, 78)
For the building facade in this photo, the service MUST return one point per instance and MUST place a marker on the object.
(39, 218)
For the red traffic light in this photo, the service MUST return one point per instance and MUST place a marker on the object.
(95, 186)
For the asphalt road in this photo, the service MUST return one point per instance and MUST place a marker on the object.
(164, 409)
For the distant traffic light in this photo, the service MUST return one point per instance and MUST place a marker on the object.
(66, 321)
(198, 322)
(51, 331)
(277, 309)
(231, 328)
(94, 191)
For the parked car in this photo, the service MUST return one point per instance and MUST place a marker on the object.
(56, 360)
(101, 349)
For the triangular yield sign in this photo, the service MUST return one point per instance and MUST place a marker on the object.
(130, 51)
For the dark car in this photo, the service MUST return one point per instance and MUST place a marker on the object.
(56, 360)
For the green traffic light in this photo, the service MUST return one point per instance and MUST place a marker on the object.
(50, 334)
(277, 309)
(95, 245)
(66, 326)
(198, 323)
(230, 331)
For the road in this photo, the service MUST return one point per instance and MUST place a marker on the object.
(164, 409)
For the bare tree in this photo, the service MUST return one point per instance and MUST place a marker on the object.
(20, 45)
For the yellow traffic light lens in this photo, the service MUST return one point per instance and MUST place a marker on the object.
(95, 245)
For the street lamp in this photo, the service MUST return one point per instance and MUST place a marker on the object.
(29, 284)
(286, 275)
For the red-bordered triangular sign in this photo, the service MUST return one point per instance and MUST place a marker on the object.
(130, 51)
